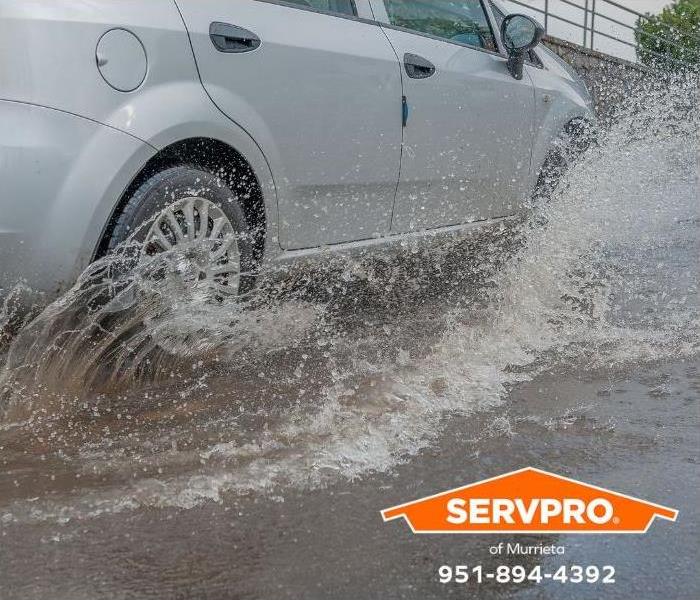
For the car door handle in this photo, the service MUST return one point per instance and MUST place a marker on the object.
(230, 38)
(418, 67)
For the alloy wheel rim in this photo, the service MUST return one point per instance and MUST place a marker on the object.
(199, 244)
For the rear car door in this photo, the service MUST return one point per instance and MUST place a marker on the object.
(469, 132)
(319, 89)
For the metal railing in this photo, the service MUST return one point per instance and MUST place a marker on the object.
(591, 17)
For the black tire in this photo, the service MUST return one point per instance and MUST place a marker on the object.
(171, 185)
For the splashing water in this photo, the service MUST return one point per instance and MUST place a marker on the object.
(174, 401)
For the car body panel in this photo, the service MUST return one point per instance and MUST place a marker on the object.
(468, 137)
(55, 167)
(558, 101)
(53, 46)
(322, 96)
(72, 143)
(171, 105)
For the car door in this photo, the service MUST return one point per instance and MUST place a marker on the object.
(319, 89)
(469, 128)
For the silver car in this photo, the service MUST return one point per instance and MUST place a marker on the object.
(243, 132)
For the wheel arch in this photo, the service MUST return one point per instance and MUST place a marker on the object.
(570, 140)
(221, 159)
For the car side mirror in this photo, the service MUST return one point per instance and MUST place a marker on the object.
(519, 34)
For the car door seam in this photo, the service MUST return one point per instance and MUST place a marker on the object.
(533, 121)
(201, 82)
(404, 98)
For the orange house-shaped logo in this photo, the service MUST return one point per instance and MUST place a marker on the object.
(529, 501)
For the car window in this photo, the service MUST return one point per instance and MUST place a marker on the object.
(462, 21)
(343, 7)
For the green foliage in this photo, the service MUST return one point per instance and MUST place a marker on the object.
(672, 38)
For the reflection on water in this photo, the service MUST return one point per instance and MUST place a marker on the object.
(352, 366)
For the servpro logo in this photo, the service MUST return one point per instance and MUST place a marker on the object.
(482, 511)
(529, 501)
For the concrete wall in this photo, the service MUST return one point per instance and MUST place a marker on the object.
(609, 79)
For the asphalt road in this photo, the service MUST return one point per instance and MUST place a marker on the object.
(634, 431)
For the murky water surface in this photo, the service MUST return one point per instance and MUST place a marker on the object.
(175, 446)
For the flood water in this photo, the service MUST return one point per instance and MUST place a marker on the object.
(164, 446)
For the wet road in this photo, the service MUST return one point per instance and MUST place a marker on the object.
(331, 543)
(162, 447)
